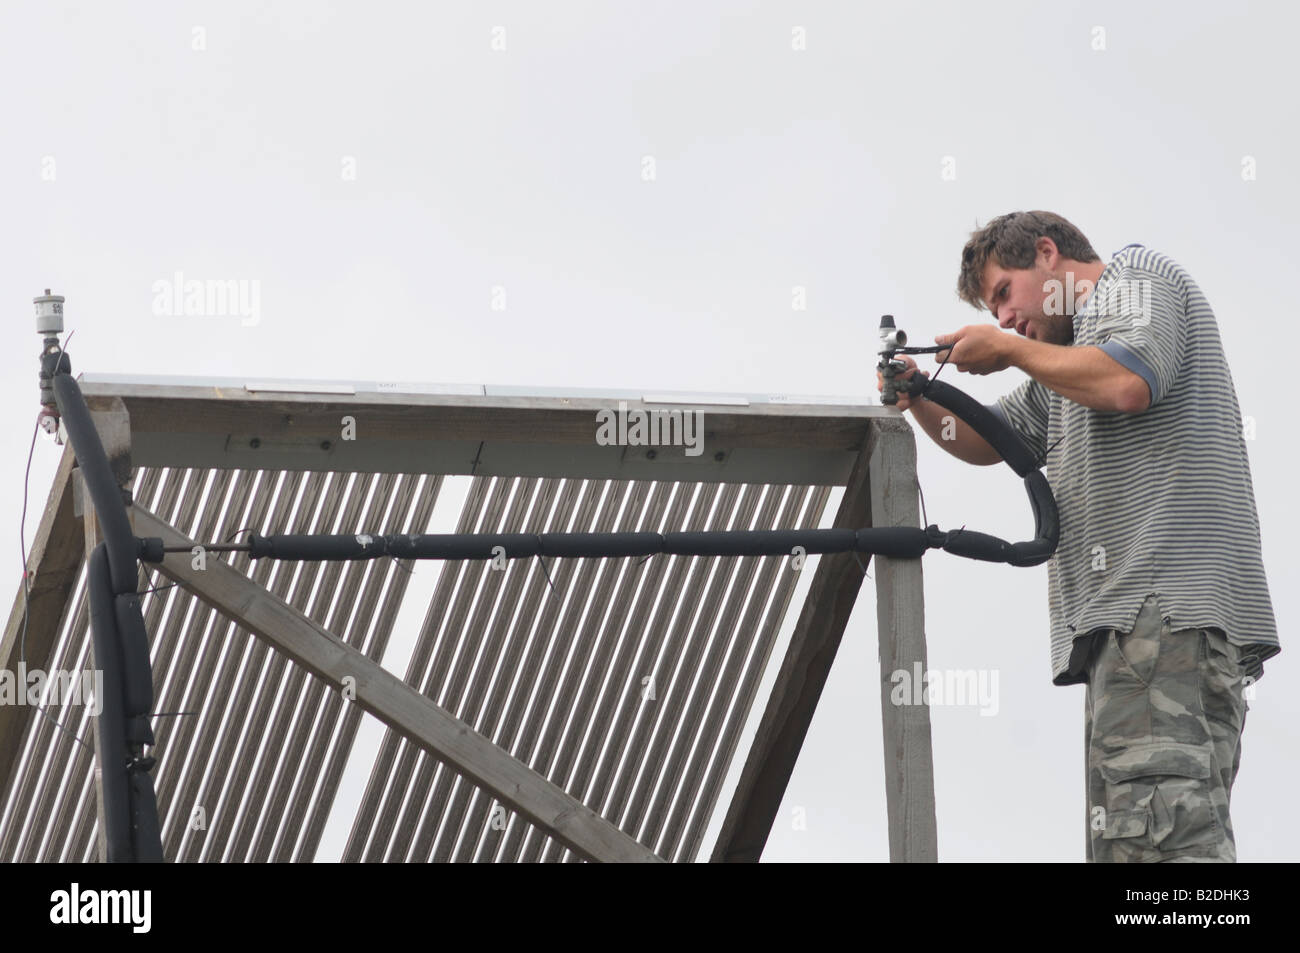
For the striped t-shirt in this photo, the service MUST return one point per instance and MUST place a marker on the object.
(1159, 502)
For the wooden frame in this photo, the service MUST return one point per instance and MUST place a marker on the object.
(868, 449)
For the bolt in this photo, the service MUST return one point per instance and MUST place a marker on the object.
(325, 445)
(719, 456)
(255, 443)
(651, 454)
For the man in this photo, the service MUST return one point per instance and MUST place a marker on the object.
(1157, 593)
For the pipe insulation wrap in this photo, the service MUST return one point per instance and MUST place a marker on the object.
(904, 542)
(982, 420)
(119, 540)
(111, 741)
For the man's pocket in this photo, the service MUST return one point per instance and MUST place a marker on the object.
(1158, 795)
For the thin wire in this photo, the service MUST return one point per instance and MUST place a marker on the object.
(861, 564)
(645, 559)
(158, 588)
(541, 562)
(1043, 460)
(63, 728)
(942, 365)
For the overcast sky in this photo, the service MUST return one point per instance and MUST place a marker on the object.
(646, 184)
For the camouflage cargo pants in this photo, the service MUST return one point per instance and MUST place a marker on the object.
(1162, 733)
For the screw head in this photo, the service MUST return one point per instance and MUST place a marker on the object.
(651, 454)
(255, 443)
(325, 444)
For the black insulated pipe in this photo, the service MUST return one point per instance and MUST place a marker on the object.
(137, 673)
(558, 545)
(1047, 523)
(898, 541)
(121, 643)
(146, 831)
(114, 760)
(982, 420)
(100, 484)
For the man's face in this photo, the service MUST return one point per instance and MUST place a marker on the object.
(1016, 297)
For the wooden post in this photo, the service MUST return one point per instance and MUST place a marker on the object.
(900, 612)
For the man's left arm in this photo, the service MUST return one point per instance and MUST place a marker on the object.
(1085, 375)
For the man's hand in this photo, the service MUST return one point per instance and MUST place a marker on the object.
(904, 400)
(977, 349)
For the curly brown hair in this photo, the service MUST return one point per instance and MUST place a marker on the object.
(1009, 240)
